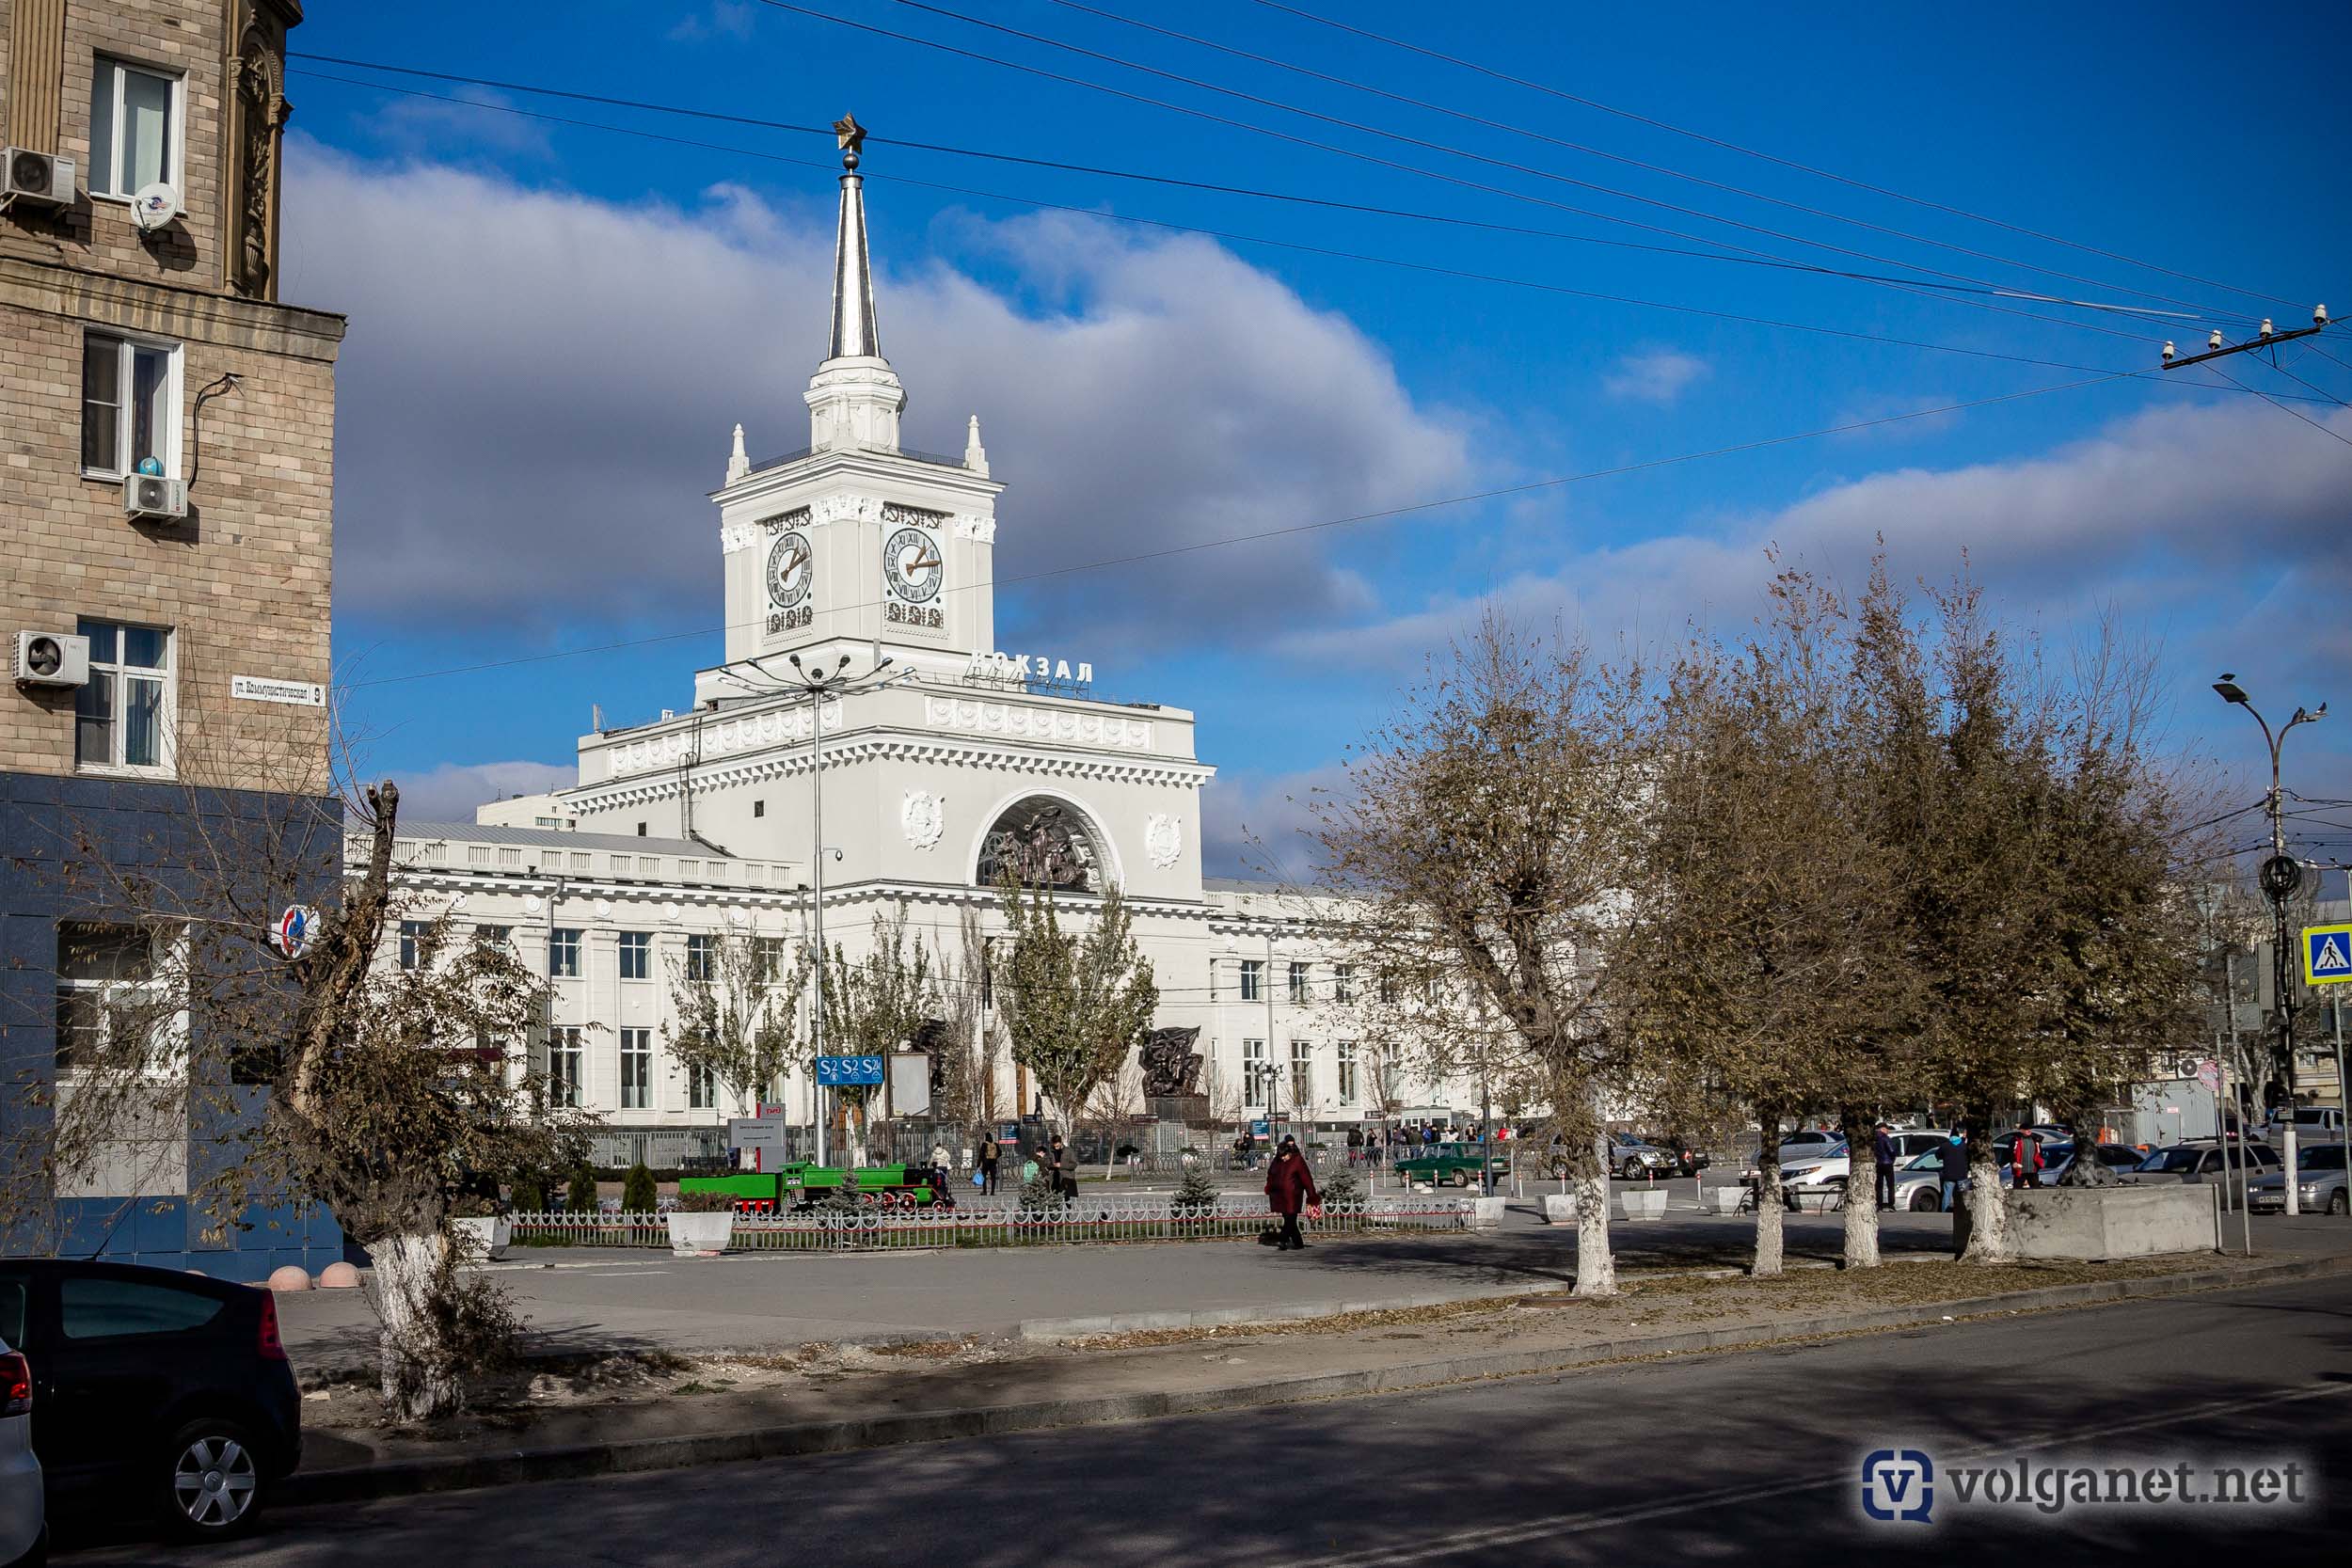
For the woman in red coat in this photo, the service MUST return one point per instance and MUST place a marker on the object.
(1290, 1187)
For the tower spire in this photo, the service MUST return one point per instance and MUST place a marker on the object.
(854, 336)
(854, 399)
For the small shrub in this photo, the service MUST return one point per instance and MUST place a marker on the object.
(1343, 1187)
(579, 1196)
(706, 1203)
(530, 1192)
(1196, 1191)
(637, 1194)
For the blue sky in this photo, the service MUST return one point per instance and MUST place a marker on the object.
(553, 326)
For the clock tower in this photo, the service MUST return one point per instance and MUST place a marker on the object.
(854, 544)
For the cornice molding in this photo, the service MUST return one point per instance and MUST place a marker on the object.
(656, 786)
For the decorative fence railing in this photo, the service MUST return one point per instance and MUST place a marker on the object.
(1096, 1220)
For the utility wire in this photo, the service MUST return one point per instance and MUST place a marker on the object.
(1668, 170)
(2278, 405)
(2306, 385)
(1754, 152)
(1240, 238)
(1391, 163)
(1167, 553)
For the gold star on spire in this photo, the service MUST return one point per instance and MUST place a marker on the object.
(849, 136)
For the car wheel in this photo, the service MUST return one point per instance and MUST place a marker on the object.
(37, 1555)
(2337, 1203)
(1630, 1171)
(1460, 1179)
(212, 1480)
(1926, 1202)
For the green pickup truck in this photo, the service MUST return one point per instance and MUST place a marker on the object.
(1452, 1165)
(800, 1183)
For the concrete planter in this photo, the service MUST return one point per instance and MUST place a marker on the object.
(1485, 1213)
(698, 1235)
(1646, 1204)
(2095, 1223)
(484, 1239)
(1559, 1209)
(1726, 1200)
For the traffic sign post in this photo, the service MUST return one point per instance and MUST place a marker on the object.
(2328, 955)
(296, 929)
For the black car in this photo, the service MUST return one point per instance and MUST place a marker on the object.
(169, 1392)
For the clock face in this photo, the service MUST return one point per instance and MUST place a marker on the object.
(788, 571)
(911, 566)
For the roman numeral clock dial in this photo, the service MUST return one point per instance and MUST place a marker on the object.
(914, 570)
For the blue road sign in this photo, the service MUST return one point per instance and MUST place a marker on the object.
(841, 1072)
(2327, 955)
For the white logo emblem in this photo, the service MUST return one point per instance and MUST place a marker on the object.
(1163, 839)
(924, 817)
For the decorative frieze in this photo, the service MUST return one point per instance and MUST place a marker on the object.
(846, 507)
(1115, 731)
(719, 737)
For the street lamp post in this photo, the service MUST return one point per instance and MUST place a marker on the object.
(815, 688)
(2281, 878)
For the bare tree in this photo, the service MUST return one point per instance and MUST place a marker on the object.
(736, 996)
(1485, 840)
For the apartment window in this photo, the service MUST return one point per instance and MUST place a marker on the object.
(1343, 983)
(701, 960)
(416, 943)
(1347, 1072)
(563, 1066)
(1257, 1074)
(564, 954)
(135, 129)
(636, 954)
(122, 717)
(636, 1069)
(641, 830)
(477, 854)
(1252, 977)
(113, 992)
(1388, 991)
(769, 953)
(702, 1087)
(760, 808)
(1302, 1073)
(1298, 982)
(129, 404)
(494, 936)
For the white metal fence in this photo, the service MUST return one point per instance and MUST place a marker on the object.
(1083, 1220)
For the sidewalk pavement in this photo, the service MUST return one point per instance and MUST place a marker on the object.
(695, 1413)
(585, 1300)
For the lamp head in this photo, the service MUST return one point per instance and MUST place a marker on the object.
(796, 661)
(2230, 690)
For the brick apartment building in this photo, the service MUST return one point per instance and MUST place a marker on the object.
(166, 471)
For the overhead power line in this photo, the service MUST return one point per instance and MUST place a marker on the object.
(1377, 161)
(1295, 530)
(1510, 127)
(1815, 170)
(1230, 236)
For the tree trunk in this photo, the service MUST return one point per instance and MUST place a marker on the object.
(1862, 1189)
(1988, 1240)
(2086, 1170)
(1768, 1200)
(419, 1370)
(1596, 1265)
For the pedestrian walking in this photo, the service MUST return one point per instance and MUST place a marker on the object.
(941, 1161)
(1065, 1166)
(991, 1157)
(1290, 1187)
(2025, 1160)
(1355, 1146)
(1951, 1161)
(1882, 1153)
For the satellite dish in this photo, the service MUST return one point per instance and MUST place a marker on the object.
(154, 206)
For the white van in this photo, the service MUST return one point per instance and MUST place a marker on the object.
(2322, 1122)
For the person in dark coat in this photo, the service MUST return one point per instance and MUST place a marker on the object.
(1290, 1187)
(1065, 1168)
(991, 1157)
(1882, 1151)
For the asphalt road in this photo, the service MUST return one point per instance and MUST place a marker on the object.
(1750, 1458)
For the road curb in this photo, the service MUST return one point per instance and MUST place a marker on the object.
(457, 1472)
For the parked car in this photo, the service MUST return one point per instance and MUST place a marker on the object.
(2319, 1183)
(157, 1392)
(1454, 1165)
(1635, 1158)
(2205, 1161)
(2310, 1123)
(23, 1517)
(1919, 1185)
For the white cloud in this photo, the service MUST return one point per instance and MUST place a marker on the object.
(1656, 376)
(2183, 515)
(450, 792)
(537, 388)
(1259, 825)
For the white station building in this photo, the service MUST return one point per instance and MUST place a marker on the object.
(702, 823)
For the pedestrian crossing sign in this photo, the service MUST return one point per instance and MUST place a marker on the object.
(2327, 955)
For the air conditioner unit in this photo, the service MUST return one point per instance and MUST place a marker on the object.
(52, 658)
(153, 496)
(36, 178)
